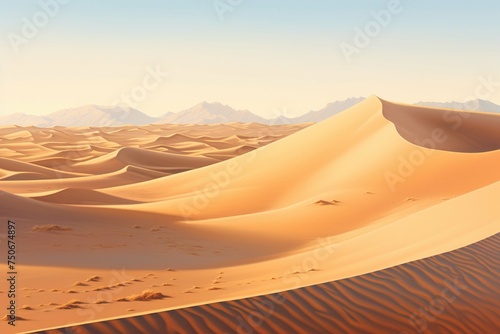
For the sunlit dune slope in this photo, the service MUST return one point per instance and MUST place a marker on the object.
(455, 292)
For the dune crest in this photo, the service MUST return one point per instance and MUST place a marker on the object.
(449, 130)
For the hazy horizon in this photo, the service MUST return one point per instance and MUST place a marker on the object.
(284, 112)
(263, 56)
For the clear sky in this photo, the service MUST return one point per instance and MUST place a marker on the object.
(263, 55)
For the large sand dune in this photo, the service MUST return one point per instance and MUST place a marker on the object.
(240, 210)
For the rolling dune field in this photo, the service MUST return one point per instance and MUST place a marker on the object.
(358, 221)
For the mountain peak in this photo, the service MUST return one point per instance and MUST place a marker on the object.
(211, 113)
(96, 115)
(206, 103)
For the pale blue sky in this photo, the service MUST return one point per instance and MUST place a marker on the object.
(265, 55)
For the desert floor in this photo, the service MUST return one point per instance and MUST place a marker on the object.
(116, 222)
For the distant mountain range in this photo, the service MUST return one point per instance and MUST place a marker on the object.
(478, 105)
(90, 115)
(202, 113)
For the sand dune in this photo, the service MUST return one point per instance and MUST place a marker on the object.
(223, 154)
(157, 161)
(82, 197)
(19, 135)
(394, 173)
(126, 175)
(18, 166)
(23, 176)
(172, 139)
(377, 186)
(448, 293)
